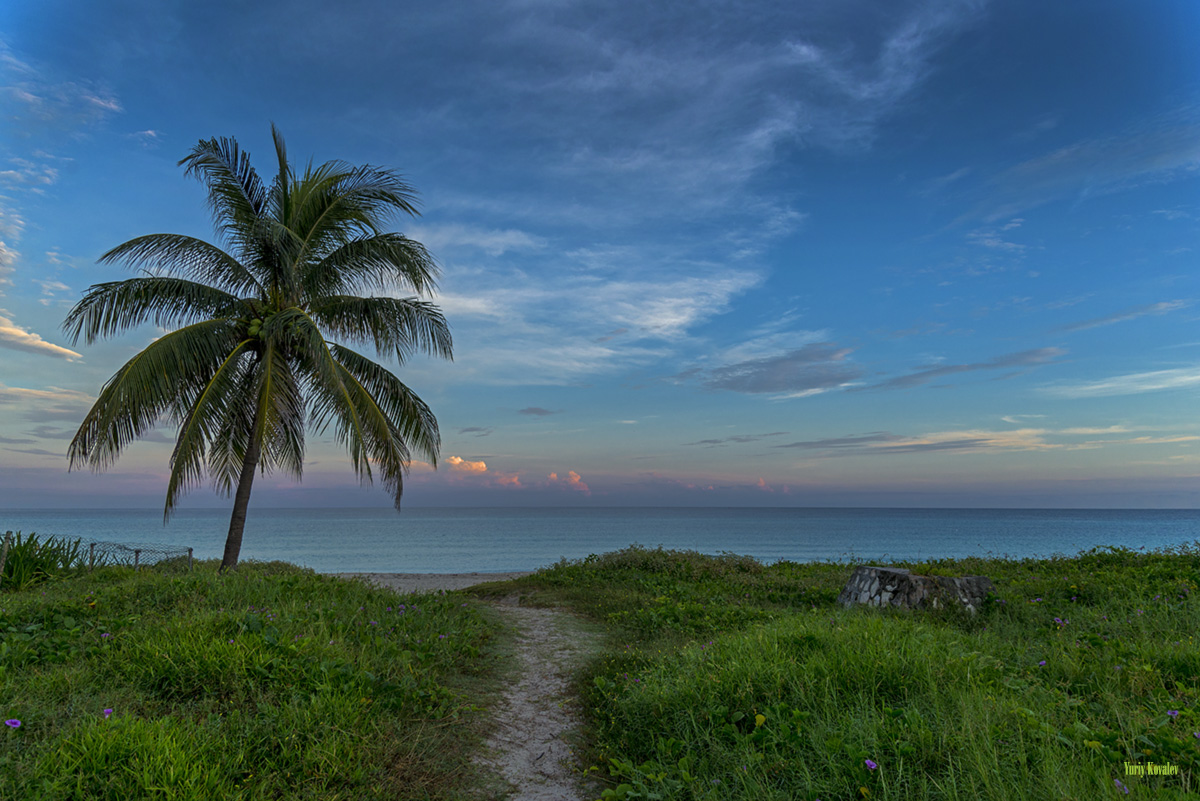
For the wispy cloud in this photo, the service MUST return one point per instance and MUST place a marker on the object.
(809, 370)
(478, 431)
(1128, 384)
(35, 452)
(1020, 360)
(993, 238)
(1156, 150)
(147, 138)
(941, 182)
(14, 337)
(885, 443)
(841, 443)
(601, 316)
(46, 405)
(739, 439)
(536, 411)
(8, 260)
(494, 242)
(23, 173)
(48, 105)
(1150, 309)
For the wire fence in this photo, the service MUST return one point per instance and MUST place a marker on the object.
(138, 555)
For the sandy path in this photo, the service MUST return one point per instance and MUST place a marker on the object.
(528, 748)
(430, 582)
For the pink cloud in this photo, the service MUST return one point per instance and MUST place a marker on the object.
(460, 465)
(508, 480)
(573, 481)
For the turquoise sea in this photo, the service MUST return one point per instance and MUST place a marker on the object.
(454, 540)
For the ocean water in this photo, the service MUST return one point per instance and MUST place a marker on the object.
(456, 540)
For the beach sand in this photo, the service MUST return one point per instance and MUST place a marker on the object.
(430, 582)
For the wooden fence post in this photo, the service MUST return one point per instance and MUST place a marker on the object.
(4, 553)
(137, 553)
(189, 558)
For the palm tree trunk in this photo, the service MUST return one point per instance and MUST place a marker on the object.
(241, 500)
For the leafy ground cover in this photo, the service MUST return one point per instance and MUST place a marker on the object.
(272, 682)
(722, 678)
(30, 560)
(734, 680)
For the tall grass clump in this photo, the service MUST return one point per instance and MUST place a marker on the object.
(728, 679)
(271, 682)
(31, 560)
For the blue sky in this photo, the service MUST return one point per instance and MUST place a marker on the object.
(822, 253)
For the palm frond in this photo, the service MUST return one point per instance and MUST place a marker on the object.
(336, 202)
(381, 262)
(209, 413)
(187, 257)
(415, 424)
(154, 382)
(110, 308)
(228, 448)
(399, 326)
(382, 442)
(237, 198)
(281, 406)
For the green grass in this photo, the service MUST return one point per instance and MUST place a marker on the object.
(272, 682)
(720, 678)
(734, 680)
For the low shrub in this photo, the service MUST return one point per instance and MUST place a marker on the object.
(31, 560)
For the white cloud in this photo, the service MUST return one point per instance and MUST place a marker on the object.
(14, 337)
(1129, 384)
(47, 104)
(1156, 150)
(28, 174)
(8, 260)
(991, 238)
(11, 223)
(494, 242)
(1151, 309)
(592, 313)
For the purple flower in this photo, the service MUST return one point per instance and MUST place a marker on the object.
(105, 636)
(13, 723)
(871, 765)
(1042, 663)
(1121, 787)
(1173, 713)
(107, 714)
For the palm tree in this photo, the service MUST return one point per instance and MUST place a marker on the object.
(248, 363)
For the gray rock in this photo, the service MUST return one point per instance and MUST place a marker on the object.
(894, 586)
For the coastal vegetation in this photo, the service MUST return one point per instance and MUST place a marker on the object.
(245, 364)
(719, 678)
(729, 679)
(267, 682)
(26, 560)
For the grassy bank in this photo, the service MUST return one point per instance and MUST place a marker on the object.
(273, 682)
(734, 680)
(722, 679)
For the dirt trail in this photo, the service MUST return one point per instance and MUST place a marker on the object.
(527, 747)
